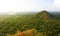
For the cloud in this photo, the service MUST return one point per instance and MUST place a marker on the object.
(56, 4)
(27, 5)
(19, 5)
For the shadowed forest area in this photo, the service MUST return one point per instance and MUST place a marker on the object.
(42, 23)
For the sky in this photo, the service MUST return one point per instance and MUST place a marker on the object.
(28, 5)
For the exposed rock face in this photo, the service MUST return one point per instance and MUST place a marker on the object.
(31, 32)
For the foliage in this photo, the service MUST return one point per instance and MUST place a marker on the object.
(44, 26)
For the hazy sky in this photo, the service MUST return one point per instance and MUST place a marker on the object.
(29, 5)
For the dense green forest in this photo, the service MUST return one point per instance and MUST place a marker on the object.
(48, 24)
